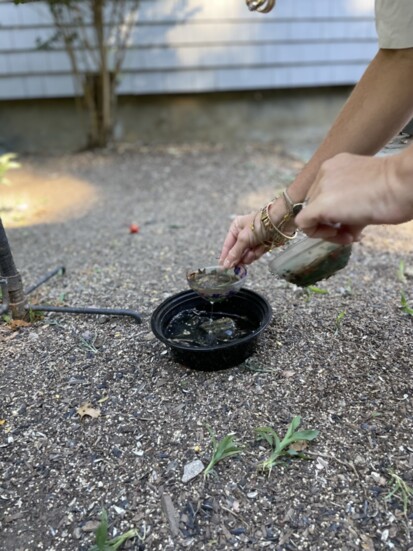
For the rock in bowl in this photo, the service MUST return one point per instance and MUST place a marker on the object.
(209, 341)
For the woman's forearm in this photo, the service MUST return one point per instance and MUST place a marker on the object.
(378, 108)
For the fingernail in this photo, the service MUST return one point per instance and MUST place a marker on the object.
(227, 264)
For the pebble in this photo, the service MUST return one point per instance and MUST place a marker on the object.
(116, 452)
(103, 319)
(119, 510)
(237, 531)
(191, 470)
(385, 535)
(90, 526)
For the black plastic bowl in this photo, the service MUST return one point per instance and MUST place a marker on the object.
(245, 303)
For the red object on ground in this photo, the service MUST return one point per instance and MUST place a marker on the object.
(133, 228)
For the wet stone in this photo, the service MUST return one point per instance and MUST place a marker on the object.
(200, 328)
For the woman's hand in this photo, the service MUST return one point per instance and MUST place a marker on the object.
(246, 238)
(242, 245)
(351, 192)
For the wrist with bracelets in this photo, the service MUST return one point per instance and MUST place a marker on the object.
(274, 235)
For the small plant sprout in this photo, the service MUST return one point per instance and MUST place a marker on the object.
(404, 305)
(103, 543)
(313, 290)
(222, 449)
(339, 319)
(400, 490)
(284, 448)
(88, 342)
(401, 276)
(35, 315)
(316, 290)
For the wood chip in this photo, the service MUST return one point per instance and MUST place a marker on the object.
(86, 409)
(170, 513)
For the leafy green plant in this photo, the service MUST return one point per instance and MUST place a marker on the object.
(222, 449)
(7, 162)
(103, 543)
(282, 448)
(401, 490)
(404, 304)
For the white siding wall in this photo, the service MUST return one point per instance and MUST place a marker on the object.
(202, 45)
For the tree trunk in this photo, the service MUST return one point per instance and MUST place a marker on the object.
(104, 90)
(100, 102)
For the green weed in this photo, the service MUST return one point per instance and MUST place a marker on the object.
(404, 304)
(102, 541)
(35, 315)
(311, 290)
(89, 344)
(401, 276)
(400, 490)
(222, 449)
(339, 319)
(282, 448)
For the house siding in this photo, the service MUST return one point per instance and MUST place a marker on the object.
(201, 46)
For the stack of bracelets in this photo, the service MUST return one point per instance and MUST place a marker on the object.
(275, 235)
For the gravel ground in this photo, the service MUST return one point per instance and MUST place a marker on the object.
(341, 360)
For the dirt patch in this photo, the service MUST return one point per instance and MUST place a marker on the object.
(341, 360)
(36, 197)
(395, 239)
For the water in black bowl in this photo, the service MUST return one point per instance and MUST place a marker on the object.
(201, 328)
(201, 339)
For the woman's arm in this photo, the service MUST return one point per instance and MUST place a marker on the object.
(379, 106)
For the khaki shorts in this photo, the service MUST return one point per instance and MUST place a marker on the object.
(394, 23)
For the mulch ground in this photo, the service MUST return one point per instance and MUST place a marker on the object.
(341, 360)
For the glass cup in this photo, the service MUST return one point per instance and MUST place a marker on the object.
(305, 261)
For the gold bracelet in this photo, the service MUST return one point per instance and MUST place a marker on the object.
(267, 244)
(277, 237)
